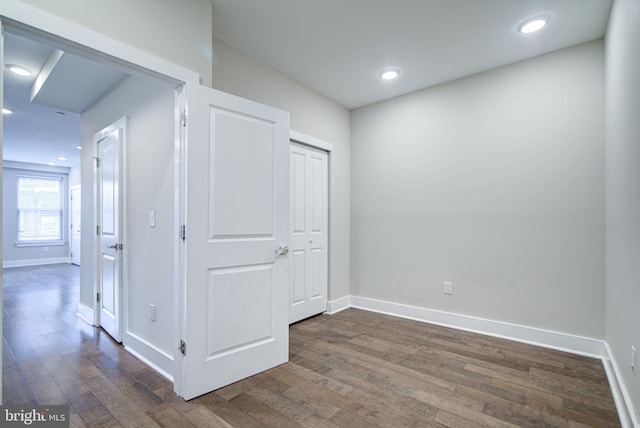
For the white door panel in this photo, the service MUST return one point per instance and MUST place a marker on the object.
(109, 222)
(235, 321)
(309, 232)
(241, 165)
(298, 270)
(298, 191)
(318, 197)
(108, 297)
(318, 274)
(234, 291)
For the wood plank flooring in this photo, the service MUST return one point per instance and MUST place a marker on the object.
(352, 369)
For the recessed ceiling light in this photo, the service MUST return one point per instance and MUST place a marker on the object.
(79, 147)
(51, 163)
(534, 24)
(62, 158)
(20, 71)
(6, 110)
(389, 74)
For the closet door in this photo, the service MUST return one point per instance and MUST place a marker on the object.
(308, 240)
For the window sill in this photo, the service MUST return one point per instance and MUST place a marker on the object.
(40, 243)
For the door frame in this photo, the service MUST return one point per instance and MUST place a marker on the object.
(180, 249)
(306, 140)
(121, 301)
(316, 143)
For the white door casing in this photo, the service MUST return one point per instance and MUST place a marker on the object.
(1, 148)
(76, 211)
(308, 240)
(235, 311)
(109, 227)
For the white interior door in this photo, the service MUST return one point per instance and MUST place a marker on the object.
(235, 317)
(309, 236)
(109, 212)
(76, 204)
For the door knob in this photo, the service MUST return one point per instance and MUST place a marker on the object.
(282, 250)
(115, 247)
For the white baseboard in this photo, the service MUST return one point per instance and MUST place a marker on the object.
(85, 313)
(35, 262)
(624, 404)
(335, 306)
(535, 336)
(150, 354)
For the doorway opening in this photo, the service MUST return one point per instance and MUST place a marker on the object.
(42, 137)
(149, 101)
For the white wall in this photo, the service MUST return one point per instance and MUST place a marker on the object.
(149, 107)
(311, 114)
(493, 182)
(74, 176)
(178, 31)
(30, 255)
(622, 130)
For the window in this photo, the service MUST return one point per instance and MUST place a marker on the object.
(39, 210)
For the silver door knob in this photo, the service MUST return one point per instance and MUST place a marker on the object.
(282, 250)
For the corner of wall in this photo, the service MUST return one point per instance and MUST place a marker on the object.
(622, 183)
(624, 403)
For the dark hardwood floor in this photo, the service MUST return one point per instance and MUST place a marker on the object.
(352, 369)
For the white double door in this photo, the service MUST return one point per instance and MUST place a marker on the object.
(309, 232)
(235, 312)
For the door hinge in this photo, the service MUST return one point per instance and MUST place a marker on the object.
(98, 230)
(183, 118)
(183, 347)
(97, 162)
(183, 232)
(98, 297)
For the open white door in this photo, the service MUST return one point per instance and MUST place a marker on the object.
(235, 314)
(309, 232)
(109, 227)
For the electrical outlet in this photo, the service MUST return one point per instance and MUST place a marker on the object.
(152, 312)
(633, 359)
(447, 287)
